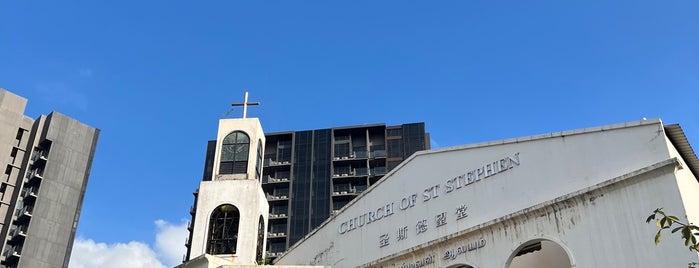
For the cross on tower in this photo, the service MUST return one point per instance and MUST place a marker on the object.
(245, 105)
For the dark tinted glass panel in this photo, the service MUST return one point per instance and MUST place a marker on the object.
(413, 138)
(395, 148)
(320, 203)
(301, 186)
(209, 162)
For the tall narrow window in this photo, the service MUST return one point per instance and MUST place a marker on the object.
(234, 153)
(258, 164)
(260, 241)
(223, 230)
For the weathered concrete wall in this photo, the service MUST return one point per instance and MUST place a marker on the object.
(57, 208)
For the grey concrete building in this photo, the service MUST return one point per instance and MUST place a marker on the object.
(46, 163)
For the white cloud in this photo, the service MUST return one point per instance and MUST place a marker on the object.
(169, 249)
(169, 241)
(87, 254)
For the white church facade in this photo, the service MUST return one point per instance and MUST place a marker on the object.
(568, 199)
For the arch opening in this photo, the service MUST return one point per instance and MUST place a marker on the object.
(223, 230)
(540, 253)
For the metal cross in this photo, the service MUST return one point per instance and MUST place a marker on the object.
(245, 105)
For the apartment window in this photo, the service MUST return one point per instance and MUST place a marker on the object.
(223, 230)
(234, 153)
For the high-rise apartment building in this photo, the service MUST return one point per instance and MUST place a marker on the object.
(309, 175)
(46, 164)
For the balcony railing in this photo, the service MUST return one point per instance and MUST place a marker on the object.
(29, 192)
(378, 154)
(36, 174)
(271, 234)
(345, 172)
(19, 231)
(24, 211)
(276, 197)
(13, 251)
(39, 155)
(277, 216)
(378, 171)
(270, 179)
(269, 162)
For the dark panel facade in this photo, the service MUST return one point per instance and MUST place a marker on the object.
(320, 197)
(299, 217)
(323, 170)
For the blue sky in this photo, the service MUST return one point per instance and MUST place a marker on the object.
(155, 76)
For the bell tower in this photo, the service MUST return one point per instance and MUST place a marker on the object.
(231, 210)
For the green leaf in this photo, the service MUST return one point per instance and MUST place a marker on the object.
(650, 218)
(657, 238)
(673, 218)
(677, 229)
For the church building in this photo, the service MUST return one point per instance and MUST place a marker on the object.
(560, 200)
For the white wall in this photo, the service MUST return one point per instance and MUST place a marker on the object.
(551, 166)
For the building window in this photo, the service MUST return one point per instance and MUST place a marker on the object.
(258, 164)
(260, 241)
(234, 153)
(223, 230)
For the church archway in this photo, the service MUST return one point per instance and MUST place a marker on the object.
(460, 265)
(223, 230)
(539, 253)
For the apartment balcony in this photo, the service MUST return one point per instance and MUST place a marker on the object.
(276, 235)
(352, 172)
(192, 210)
(268, 162)
(356, 155)
(378, 154)
(274, 254)
(271, 197)
(269, 179)
(351, 191)
(273, 216)
(378, 171)
(40, 155)
(24, 213)
(12, 254)
(190, 225)
(30, 193)
(18, 233)
(35, 176)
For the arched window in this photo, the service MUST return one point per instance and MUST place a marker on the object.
(260, 241)
(234, 153)
(258, 164)
(223, 230)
